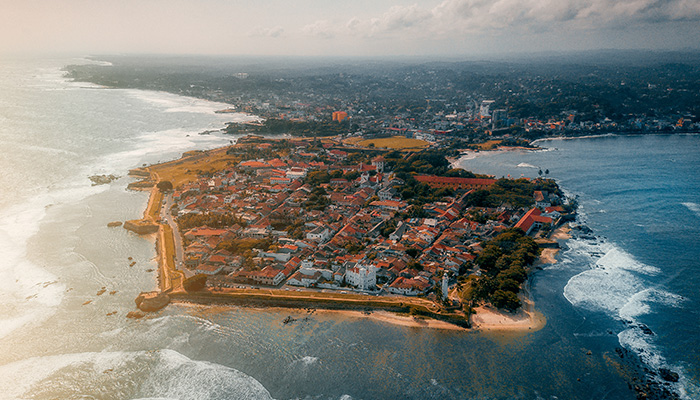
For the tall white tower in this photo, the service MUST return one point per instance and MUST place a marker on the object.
(445, 285)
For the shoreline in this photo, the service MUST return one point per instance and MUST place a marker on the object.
(613, 134)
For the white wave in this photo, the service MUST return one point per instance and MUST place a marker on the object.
(160, 374)
(694, 207)
(611, 283)
(48, 150)
(639, 342)
(151, 147)
(307, 360)
(28, 292)
(615, 285)
(640, 303)
(525, 165)
(175, 103)
(642, 344)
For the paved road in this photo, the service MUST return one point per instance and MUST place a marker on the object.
(179, 251)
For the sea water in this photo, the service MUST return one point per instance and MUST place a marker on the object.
(60, 339)
(641, 266)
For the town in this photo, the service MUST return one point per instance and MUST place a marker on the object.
(305, 214)
(461, 104)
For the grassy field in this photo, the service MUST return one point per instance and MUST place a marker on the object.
(489, 145)
(189, 167)
(395, 142)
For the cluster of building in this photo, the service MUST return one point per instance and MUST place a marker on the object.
(362, 237)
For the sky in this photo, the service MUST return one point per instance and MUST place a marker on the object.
(349, 28)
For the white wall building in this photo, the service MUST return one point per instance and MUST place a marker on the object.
(320, 234)
(363, 277)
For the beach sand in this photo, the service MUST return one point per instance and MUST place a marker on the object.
(394, 319)
(527, 319)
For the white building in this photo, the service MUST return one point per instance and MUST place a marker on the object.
(363, 277)
(296, 173)
(320, 234)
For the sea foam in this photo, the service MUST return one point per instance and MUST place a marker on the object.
(618, 285)
(694, 207)
(160, 374)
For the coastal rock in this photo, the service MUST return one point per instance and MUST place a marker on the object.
(152, 301)
(102, 179)
(668, 375)
(139, 172)
(141, 227)
(646, 329)
(114, 224)
(135, 315)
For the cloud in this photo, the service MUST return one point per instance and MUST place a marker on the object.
(274, 32)
(321, 29)
(490, 16)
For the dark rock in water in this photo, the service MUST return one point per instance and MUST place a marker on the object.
(646, 329)
(152, 301)
(620, 352)
(668, 375)
(102, 179)
(135, 314)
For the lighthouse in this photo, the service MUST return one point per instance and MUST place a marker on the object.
(445, 285)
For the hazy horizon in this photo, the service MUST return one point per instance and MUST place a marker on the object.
(363, 28)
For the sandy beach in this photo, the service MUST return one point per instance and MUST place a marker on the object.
(527, 319)
(395, 319)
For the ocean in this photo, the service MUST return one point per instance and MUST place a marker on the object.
(60, 339)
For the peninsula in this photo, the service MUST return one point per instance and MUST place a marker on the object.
(323, 224)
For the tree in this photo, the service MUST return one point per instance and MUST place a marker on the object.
(507, 300)
(413, 252)
(164, 186)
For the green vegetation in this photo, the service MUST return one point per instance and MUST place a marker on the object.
(431, 162)
(218, 221)
(275, 126)
(315, 178)
(516, 192)
(503, 263)
(243, 246)
(317, 200)
(164, 186)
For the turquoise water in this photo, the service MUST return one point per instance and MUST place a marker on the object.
(58, 253)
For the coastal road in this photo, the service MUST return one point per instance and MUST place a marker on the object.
(179, 251)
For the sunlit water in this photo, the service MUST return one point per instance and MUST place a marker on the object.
(58, 341)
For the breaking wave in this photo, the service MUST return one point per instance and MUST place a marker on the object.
(617, 284)
(694, 207)
(161, 374)
(525, 165)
